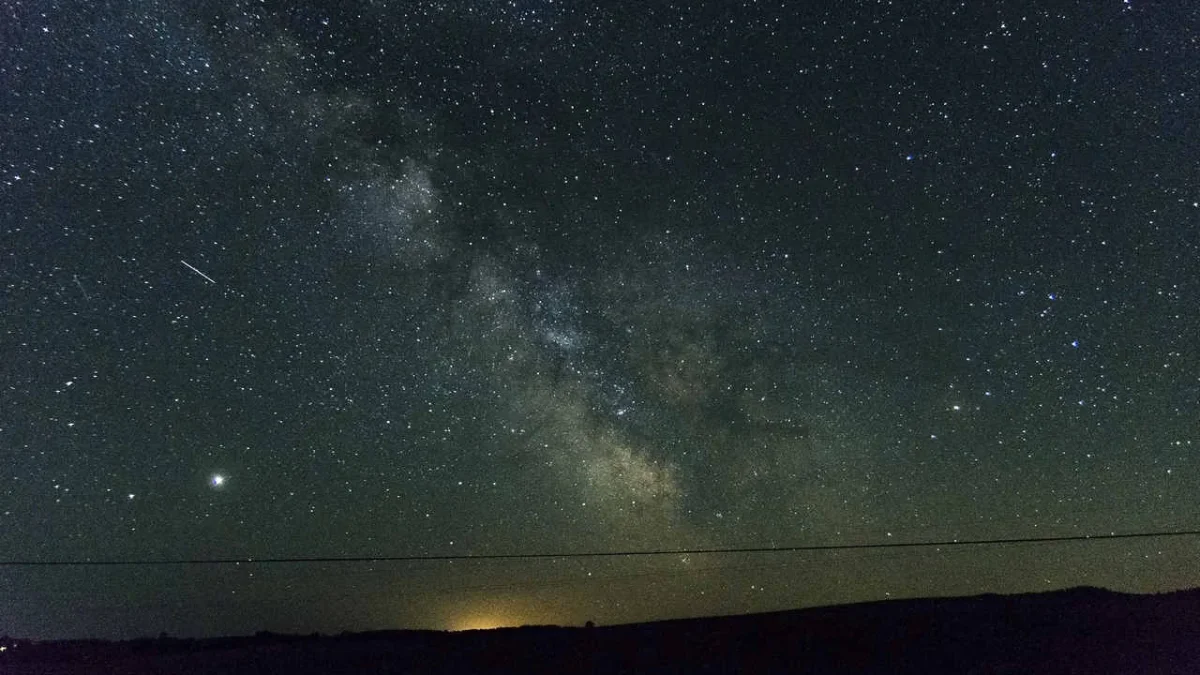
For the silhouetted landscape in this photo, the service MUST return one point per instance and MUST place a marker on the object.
(1083, 630)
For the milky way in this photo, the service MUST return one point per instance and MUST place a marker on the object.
(527, 277)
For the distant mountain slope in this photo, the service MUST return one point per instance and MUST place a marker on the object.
(1083, 630)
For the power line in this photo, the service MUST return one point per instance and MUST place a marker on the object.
(607, 554)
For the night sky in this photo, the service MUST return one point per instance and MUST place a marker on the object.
(470, 277)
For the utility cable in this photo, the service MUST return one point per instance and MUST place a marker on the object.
(608, 554)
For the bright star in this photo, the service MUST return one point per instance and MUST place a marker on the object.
(217, 480)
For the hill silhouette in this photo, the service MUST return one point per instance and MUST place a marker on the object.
(1082, 630)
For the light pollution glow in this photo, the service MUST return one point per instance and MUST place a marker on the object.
(490, 613)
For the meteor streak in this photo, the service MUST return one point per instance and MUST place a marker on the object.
(185, 264)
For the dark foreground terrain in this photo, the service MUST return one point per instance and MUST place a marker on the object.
(1076, 631)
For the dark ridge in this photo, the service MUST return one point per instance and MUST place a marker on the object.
(1079, 630)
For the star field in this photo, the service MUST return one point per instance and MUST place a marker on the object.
(386, 278)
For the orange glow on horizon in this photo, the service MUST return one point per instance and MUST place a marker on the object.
(491, 614)
(483, 621)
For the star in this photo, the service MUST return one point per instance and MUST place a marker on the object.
(217, 481)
